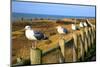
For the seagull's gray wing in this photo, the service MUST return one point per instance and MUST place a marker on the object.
(65, 30)
(39, 35)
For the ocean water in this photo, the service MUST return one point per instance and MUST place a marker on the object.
(18, 16)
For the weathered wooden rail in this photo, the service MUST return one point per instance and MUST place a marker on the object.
(72, 48)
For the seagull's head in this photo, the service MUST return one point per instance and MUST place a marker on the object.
(27, 27)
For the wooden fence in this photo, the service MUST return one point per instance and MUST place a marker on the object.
(72, 50)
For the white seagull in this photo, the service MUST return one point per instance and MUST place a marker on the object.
(33, 34)
(81, 24)
(61, 30)
(85, 24)
(74, 27)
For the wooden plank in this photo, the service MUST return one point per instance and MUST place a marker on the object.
(35, 56)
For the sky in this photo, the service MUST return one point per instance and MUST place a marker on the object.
(52, 9)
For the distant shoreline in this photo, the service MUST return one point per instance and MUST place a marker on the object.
(18, 16)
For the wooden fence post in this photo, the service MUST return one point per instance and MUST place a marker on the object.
(84, 39)
(93, 35)
(90, 36)
(94, 32)
(62, 46)
(35, 56)
(87, 40)
(74, 54)
(75, 42)
(81, 48)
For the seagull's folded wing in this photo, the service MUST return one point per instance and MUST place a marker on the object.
(39, 35)
(65, 30)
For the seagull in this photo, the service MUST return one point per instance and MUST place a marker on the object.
(61, 30)
(74, 27)
(81, 24)
(85, 24)
(33, 34)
